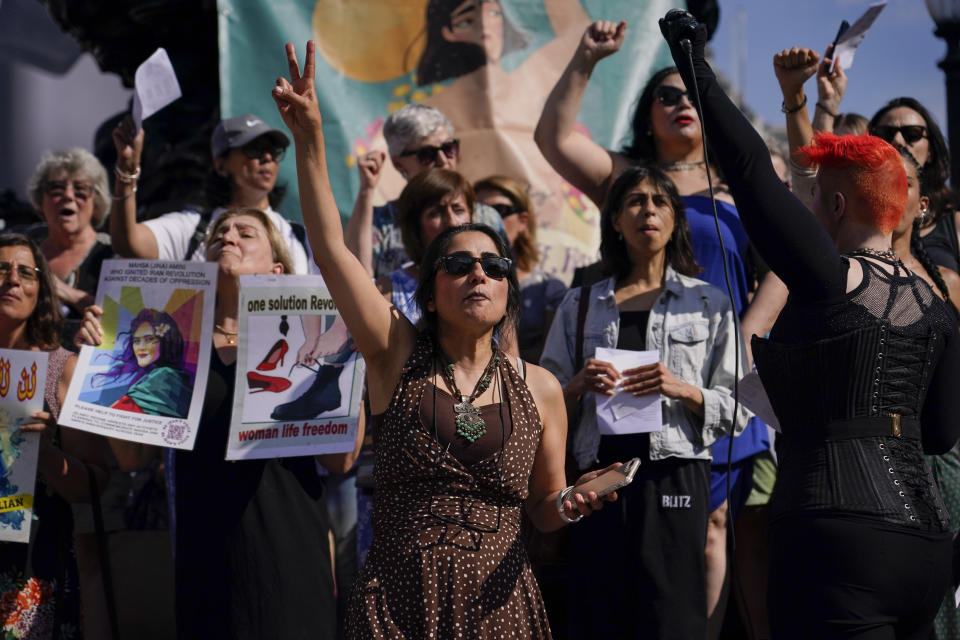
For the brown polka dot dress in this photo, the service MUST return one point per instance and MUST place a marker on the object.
(447, 560)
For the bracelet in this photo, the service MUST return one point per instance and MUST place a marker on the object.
(788, 110)
(128, 178)
(125, 196)
(563, 516)
(826, 111)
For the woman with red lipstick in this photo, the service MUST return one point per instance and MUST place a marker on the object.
(39, 588)
(69, 189)
(649, 301)
(465, 439)
(666, 133)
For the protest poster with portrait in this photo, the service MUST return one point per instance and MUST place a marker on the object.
(299, 376)
(23, 378)
(145, 382)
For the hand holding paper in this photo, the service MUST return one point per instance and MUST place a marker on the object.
(155, 86)
(624, 412)
(848, 42)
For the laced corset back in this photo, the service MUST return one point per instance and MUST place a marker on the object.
(865, 356)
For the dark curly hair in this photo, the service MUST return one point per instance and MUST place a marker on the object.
(171, 347)
(43, 325)
(426, 288)
(613, 250)
(936, 171)
(916, 243)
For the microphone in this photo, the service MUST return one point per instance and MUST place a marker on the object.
(678, 26)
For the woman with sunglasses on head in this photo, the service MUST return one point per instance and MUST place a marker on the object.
(465, 439)
(666, 133)
(861, 369)
(70, 191)
(540, 293)
(645, 561)
(246, 154)
(39, 581)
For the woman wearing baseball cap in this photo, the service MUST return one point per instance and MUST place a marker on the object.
(246, 155)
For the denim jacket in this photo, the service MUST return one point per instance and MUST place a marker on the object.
(691, 324)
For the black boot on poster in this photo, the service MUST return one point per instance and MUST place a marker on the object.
(323, 395)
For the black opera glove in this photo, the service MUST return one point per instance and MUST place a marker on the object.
(680, 25)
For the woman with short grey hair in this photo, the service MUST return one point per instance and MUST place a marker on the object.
(69, 190)
(412, 123)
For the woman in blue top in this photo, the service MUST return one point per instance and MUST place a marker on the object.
(666, 132)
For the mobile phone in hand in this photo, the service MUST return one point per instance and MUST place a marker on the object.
(610, 481)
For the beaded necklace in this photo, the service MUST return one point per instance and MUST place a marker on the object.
(470, 424)
(888, 254)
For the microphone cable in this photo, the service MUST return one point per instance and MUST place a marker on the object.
(731, 562)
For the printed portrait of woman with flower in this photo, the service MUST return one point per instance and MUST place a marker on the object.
(151, 361)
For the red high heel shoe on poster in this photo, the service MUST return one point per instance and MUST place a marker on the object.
(259, 382)
(277, 352)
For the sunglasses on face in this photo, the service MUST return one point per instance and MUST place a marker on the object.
(258, 151)
(505, 210)
(461, 263)
(669, 96)
(26, 273)
(428, 155)
(58, 189)
(911, 132)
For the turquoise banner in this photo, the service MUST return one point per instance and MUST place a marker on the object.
(374, 56)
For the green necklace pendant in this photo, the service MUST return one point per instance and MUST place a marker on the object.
(470, 425)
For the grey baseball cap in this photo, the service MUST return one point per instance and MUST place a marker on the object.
(236, 132)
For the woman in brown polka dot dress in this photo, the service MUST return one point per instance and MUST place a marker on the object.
(465, 440)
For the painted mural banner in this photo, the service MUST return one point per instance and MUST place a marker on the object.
(299, 386)
(23, 378)
(488, 65)
(146, 381)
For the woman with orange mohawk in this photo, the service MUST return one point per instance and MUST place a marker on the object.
(861, 370)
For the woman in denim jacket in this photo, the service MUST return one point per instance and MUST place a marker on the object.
(645, 561)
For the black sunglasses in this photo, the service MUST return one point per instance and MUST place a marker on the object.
(911, 132)
(505, 210)
(255, 151)
(461, 263)
(428, 154)
(669, 96)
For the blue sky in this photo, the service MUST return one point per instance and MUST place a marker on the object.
(898, 57)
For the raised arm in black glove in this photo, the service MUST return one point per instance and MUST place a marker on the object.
(785, 233)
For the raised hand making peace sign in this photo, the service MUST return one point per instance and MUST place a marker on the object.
(297, 98)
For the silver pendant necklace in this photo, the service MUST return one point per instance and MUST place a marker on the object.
(469, 423)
